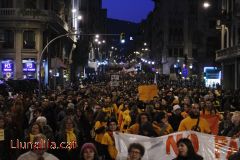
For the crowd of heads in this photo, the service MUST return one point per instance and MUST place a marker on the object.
(74, 110)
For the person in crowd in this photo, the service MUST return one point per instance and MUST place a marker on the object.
(135, 151)
(124, 118)
(46, 129)
(109, 107)
(109, 149)
(194, 121)
(89, 152)
(70, 134)
(186, 106)
(235, 156)
(226, 124)
(99, 130)
(234, 132)
(35, 129)
(186, 150)
(175, 118)
(146, 129)
(3, 141)
(135, 128)
(38, 154)
(161, 125)
(17, 111)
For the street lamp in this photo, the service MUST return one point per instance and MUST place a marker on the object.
(206, 4)
(74, 10)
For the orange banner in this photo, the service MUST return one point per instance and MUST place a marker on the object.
(147, 92)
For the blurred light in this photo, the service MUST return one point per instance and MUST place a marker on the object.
(146, 49)
(149, 62)
(123, 41)
(96, 40)
(99, 42)
(131, 38)
(142, 49)
(74, 10)
(190, 66)
(175, 66)
(97, 36)
(153, 62)
(178, 60)
(180, 72)
(79, 17)
(103, 41)
(145, 44)
(206, 4)
(112, 47)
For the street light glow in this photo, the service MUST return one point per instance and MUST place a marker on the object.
(103, 41)
(96, 40)
(74, 10)
(145, 44)
(79, 17)
(206, 4)
(122, 41)
(97, 36)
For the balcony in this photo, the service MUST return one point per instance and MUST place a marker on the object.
(227, 53)
(11, 14)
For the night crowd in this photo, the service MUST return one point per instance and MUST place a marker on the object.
(89, 112)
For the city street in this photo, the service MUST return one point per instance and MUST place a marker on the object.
(119, 80)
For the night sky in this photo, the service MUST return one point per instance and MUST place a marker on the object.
(129, 10)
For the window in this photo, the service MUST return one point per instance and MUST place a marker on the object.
(175, 52)
(180, 52)
(28, 40)
(170, 52)
(6, 3)
(8, 39)
(31, 4)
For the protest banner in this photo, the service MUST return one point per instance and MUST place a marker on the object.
(147, 92)
(211, 147)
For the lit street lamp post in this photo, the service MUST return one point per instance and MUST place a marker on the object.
(40, 59)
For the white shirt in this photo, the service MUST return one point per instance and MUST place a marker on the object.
(33, 156)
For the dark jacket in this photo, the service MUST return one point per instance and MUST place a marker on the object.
(195, 157)
(175, 121)
(235, 156)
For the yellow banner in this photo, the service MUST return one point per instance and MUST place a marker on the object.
(147, 92)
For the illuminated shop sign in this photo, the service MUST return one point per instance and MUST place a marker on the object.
(7, 66)
(29, 66)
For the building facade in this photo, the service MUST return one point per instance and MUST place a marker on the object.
(26, 27)
(180, 32)
(229, 54)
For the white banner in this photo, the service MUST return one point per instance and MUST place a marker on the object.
(211, 147)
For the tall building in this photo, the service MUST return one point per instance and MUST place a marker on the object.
(93, 22)
(26, 27)
(229, 54)
(180, 32)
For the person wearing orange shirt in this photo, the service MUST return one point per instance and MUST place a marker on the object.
(186, 106)
(161, 125)
(194, 121)
(210, 113)
(109, 149)
(135, 128)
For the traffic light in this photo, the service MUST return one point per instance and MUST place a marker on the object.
(122, 37)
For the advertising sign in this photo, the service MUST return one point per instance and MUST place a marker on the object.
(7, 66)
(29, 66)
